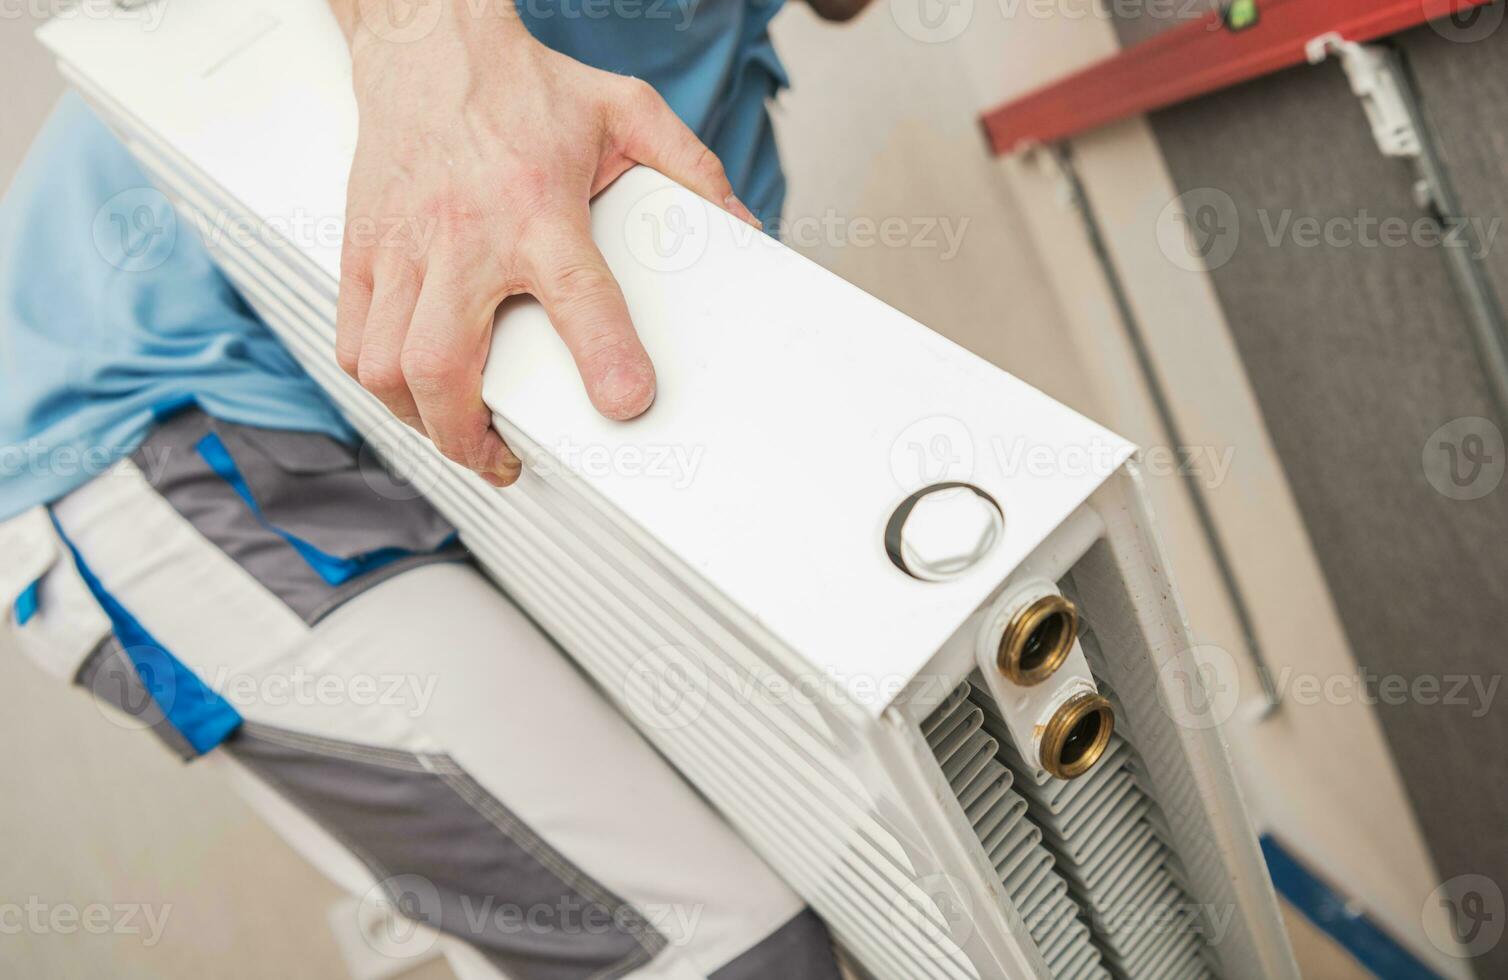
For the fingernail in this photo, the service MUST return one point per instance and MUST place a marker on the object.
(506, 473)
(625, 392)
(737, 207)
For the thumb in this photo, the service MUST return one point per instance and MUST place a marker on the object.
(649, 132)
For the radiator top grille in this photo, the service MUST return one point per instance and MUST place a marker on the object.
(970, 756)
(1084, 861)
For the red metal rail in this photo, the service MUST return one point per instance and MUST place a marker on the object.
(1194, 59)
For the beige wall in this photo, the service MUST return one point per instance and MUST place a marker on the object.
(30, 84)
(879, 125)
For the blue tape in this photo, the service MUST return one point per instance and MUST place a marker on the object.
(1359, 935)
(334, 569)
(27, 603)
(166, 409)
(203, 717)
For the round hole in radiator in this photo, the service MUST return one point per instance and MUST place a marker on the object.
(1077, 735)
(942, 531)
(1037, 639)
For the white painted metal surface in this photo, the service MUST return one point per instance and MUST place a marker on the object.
(757, 590)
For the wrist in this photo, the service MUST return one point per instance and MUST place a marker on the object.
(380, 31)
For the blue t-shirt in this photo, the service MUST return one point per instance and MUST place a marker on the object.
(108, 311)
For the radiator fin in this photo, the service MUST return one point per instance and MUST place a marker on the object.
(1108, 839)
(969, 753)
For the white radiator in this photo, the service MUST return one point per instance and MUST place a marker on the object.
(864, 676)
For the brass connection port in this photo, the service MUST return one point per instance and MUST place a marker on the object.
(1077, 735)
(1037, 640)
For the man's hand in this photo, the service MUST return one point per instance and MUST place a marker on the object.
(492, 145)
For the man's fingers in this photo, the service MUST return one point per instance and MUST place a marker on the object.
(586, 307)
(650, 132)
(378, 365)
(351, 307)
(442, 361)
